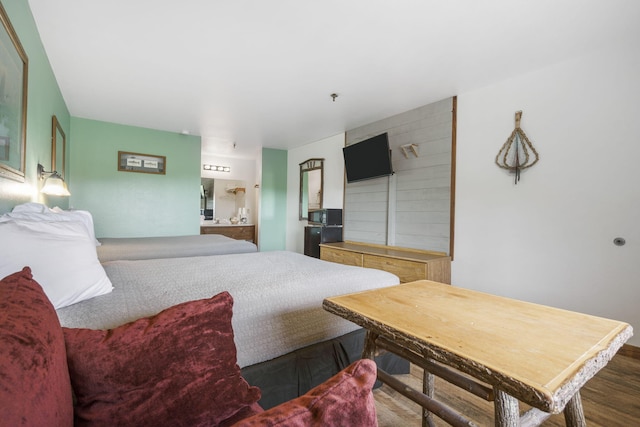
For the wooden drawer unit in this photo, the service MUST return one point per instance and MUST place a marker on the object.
(341, 257)
(238, 232)
(407, 271)
(408, 264)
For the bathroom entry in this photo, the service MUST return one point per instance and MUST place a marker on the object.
(221, 198)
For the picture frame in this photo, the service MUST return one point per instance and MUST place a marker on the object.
(141, 163)
(13, 102)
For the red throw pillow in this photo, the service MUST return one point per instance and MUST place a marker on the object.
(34, 379)
(177, 368)
(343, 400)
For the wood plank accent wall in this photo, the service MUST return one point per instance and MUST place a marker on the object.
(412, 208)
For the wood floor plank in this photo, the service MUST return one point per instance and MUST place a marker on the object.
(610, 399)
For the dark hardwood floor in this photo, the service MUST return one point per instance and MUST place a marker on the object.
(610, 399)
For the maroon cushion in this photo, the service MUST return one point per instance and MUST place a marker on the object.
(343, 400)
(34, 380)
(177, 368)
(242, 414)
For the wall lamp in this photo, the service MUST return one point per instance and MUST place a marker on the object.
(215, 168)
(54, 185)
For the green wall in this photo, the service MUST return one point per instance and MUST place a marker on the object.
(273, 201)
(128, 204)
(122, 203)
(44, 101)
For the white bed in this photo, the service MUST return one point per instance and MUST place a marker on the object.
(286, 342)
(133, 248)
(277, 296)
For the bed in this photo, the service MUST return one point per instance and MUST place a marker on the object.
(133, 248)
(286, 342)
(282, 334)
(118, 248)
(276, 292)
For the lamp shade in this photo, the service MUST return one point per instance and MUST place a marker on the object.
(54, 186)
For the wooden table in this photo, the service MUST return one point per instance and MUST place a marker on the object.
(499, 348)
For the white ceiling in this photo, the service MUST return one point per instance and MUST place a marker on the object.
(260, 73)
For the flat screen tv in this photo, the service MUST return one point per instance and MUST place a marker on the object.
(368, 159)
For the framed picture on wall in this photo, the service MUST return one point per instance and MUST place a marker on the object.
(13, 101)
(142, 163)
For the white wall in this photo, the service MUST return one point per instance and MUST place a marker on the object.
(549, 239)
(329, 149)
(242, 170)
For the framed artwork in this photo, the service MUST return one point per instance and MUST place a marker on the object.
(142, 163)
(13, 101)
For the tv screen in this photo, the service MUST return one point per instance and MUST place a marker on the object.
(368, 159)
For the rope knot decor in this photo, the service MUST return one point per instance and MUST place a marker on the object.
(514, 154)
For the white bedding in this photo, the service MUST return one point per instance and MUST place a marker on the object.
(132, 248)
(277, 296)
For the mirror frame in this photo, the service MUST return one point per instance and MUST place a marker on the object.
(55, 129)
(308, 166)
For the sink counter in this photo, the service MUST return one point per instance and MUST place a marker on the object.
(211, 223)
(235, 231)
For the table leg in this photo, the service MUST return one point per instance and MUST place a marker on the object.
(369, 350)
(507, 410)
(428, 380)
(573, 413)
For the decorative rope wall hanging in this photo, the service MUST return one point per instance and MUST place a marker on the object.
(514, 154)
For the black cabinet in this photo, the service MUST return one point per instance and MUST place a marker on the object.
(314, 235)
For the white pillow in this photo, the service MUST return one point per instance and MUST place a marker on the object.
(39, 212)
(62, 258)
(77, 215)
(30, 207)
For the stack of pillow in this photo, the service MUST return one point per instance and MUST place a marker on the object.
(60, 248)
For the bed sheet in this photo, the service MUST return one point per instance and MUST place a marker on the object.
(277, 296)
(133, 248)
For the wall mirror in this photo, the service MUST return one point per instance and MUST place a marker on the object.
(58, 147)
(311, 186)
(222, 198)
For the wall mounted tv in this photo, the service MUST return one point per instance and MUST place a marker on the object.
(368, 159)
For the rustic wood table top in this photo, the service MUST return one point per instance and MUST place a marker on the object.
(540, 355)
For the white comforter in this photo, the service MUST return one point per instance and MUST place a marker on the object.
(112, 249)
(277, 296)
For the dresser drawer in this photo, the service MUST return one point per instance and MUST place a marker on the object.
(408, 264)
(407, 271)
(340, 256)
